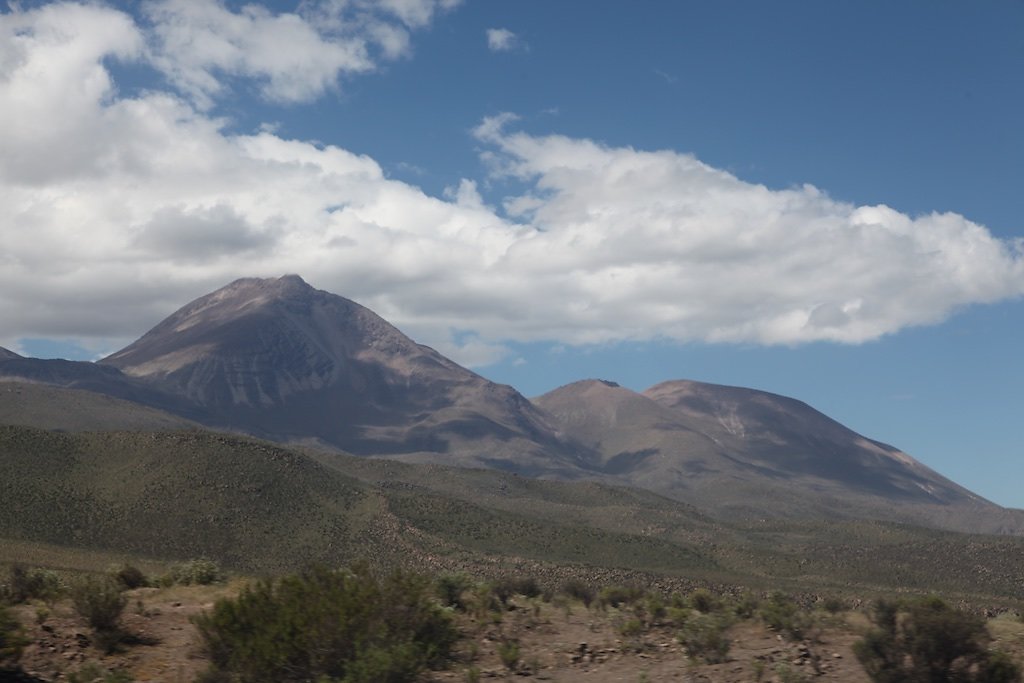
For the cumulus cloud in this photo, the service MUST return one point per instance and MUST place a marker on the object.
(294, 57)
(502, 40)
(201, 233)
(662, 244)
(116, 209)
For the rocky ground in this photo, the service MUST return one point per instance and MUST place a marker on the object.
(556, 642)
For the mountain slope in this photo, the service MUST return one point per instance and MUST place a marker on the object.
(7, 355)
(46, 406)
(793, 439)
(746, 454)
(90, 377)
(282, 360)
(265, 509)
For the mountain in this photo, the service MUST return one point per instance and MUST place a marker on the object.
(790, 439)
(747, 454)
(279, 359)
(7, 355)
(46, 406)
(100, 380)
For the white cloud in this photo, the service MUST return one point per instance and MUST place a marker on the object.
(197, 43)
(659, 244)
(502, 40)
(295, 57)
(115, 210)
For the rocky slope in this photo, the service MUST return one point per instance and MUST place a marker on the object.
(749, 454)
(6, 354)
(280, 359)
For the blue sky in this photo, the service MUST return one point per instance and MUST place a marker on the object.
(817, 199)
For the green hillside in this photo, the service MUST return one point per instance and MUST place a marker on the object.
(261, 508)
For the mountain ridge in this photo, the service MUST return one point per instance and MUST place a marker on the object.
(278, 359)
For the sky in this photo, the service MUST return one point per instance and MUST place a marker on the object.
(821, 200)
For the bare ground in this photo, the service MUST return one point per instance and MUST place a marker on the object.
(556, 643)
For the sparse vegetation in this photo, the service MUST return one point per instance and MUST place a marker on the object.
(704, 636)
(782, 614)
(617, 596)
(129, 576)
(199, 572)
(578, 590)
(333, 624)
(704, 602)
(509, 652)
(506, 588)
(25, 584)
(927, 641)
(100, 602)
(451, 589)
(93, 673)
(12, 638)
(495, 544)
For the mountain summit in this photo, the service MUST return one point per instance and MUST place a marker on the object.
(281, 359)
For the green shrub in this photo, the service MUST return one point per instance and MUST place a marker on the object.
(92, 673)
(926, 640)
(787, 674)
(998, 668)
(655, 608)
(507, 587)
(704, 602)
(100, 602)
(578, 590)
(746, 605)
(616, 596)
(24, 584)
(834, 605)
(450, 588)
(630, 628)
(129, 576)
(703, 636)
(482, 602)
(335, 625)
(12, 639)
(509, 652)
(781, 613)
(199, 572)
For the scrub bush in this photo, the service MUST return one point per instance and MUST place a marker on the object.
(703, 636)
(24, 584)
(927, 641)
(100, 602)
(326, 625)
(129, 576)
(199, 572)
(12, 638)
(781, 613)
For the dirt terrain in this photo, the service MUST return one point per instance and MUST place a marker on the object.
(565, 643)
(585, 646)
(557, 641)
